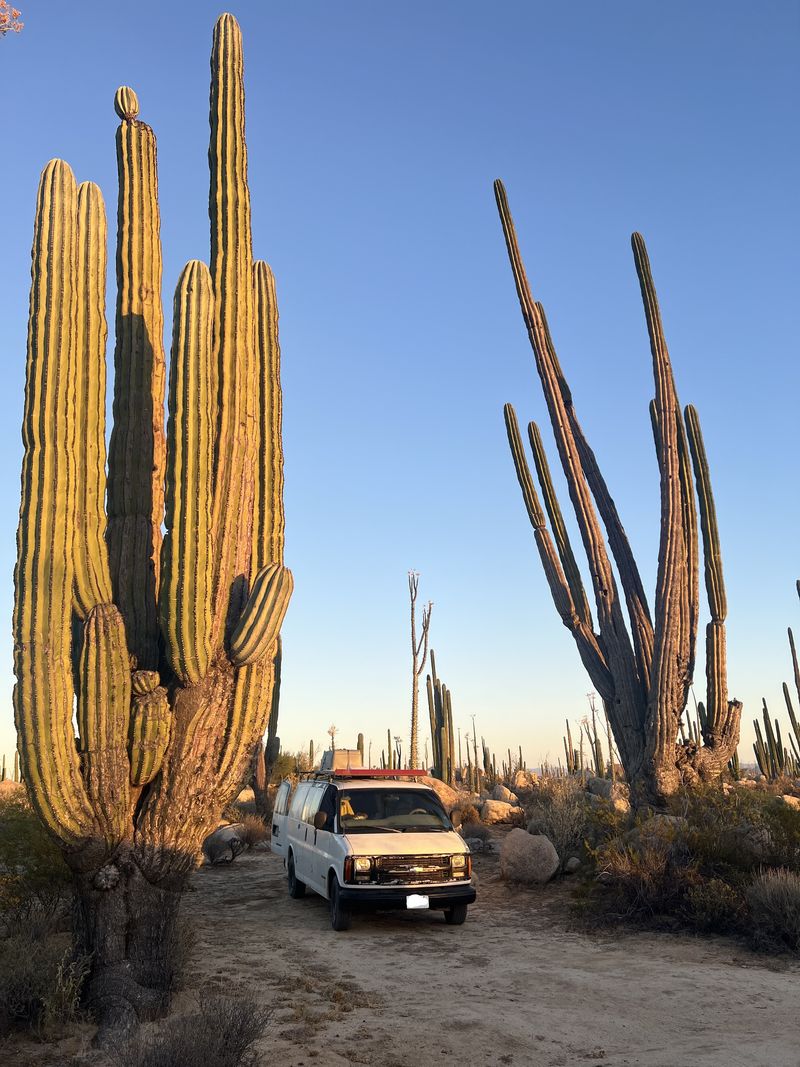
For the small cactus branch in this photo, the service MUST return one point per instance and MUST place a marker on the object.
(185, 597)
(262, 616)
(92, 584)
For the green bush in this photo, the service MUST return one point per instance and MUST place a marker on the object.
(35, 883)
(40, 983)
(774, 902)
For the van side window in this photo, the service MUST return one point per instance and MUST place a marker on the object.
(282, 798)
(298, 800)
(313, 798)
(328, 805)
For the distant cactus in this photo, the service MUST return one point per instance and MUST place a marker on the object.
(440, 711)
(169, 648)
(642, 672)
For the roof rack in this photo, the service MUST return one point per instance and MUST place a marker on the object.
(365, 772)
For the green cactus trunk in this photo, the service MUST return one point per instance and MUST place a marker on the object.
(169, 705)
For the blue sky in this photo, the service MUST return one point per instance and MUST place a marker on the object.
(374, 132)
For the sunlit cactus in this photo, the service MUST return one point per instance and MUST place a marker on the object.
(169, 650)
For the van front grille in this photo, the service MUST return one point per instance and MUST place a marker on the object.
(412, 870)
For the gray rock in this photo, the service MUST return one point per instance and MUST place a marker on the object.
(448, 796)
(500, 792)
(790, 801)
(494, 811)
(528, 859)
(224, 844)
(572, 865)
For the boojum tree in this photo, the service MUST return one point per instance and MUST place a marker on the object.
(161, 651)
(644, 673)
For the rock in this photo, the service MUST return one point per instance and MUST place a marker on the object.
(494, 811)
(604, 787)
(224, 844)
(790, 801)
(572, 865)
(500, 792)
(474, 844)
(525, 781)
(528, 859)
(745, 783)
(448, 796)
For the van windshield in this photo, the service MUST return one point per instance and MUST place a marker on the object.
(370, 811)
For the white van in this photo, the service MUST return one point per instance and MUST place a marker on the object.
(364, 840)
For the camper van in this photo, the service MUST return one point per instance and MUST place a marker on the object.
(371, 840)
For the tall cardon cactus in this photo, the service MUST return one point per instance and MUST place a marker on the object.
(643, 670)
(163, 654)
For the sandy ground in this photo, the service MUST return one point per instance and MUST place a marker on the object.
(514, 985)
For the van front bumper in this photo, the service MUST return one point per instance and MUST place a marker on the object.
(379, 898)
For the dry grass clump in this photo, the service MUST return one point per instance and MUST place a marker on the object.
(561, 813)
(219, 1034)
(253, 830)
(774, 902)
(35, 883)
(476, 829)
(40, 984)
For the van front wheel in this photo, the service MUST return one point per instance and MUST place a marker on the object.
(341, 916)
(297, 888)
(456, 914)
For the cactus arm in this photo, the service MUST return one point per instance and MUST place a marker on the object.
(43, 580)
(185, 597)
(92, 584)
(150, 728)
(232, 273)
(723, 716)
(628, 696)
(137, 448)
(635, 598)
(692, 561)
(570, 567)
(671, 653)
(588, 645)
(268, 514)
(104, 701)
(262, 616)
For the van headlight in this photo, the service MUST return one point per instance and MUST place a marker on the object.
(362, 864)
(460, 865)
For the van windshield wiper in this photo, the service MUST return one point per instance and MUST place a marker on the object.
(361, 829)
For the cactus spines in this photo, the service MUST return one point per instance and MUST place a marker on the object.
(137, 449)
(262, 615)
(126, 103)
(643, 673)
(185, 597)
(268, 516)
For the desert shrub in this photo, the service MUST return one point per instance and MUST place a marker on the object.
(645, 879)
(715, 906)
(560, 812)
(253, 830)
(40, 983)
(35, 883)
(219, 1034)
(774, 902)
(475, 829)
(467, 810)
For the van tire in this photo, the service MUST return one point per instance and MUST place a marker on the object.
(297, 889)
(455, 915)
(341, 916)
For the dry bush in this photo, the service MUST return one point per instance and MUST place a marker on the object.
(561, 813)
(475, 829)
(40, 984)
(35, 883)
(774, 901)
(468, 811)
(253, 830)
(219, 1034)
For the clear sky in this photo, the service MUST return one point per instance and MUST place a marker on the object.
(375, 131)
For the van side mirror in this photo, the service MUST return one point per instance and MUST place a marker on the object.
(455, 817)
(320, 820)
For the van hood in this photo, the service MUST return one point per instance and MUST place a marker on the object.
(436, 843)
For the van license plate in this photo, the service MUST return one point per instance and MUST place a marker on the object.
(416, 900)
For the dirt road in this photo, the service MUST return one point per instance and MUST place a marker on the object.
(512, 986)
